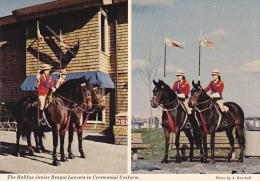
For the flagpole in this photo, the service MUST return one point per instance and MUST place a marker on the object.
(38, 58)
(164, 59)
(199, 55)
(60, 49)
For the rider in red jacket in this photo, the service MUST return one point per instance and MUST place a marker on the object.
(216, 86)
(61, 78)
(44, 85)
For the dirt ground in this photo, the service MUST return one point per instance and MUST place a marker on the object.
(102, 158)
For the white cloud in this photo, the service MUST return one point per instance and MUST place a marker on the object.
(252, 67)
(169, 68)
(218, 33)
(149, 2)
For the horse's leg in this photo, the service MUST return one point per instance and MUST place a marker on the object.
(240, 135)
(82, 154)
(167, 138)
(40, 141)
(205, 155)
(36, 138)
(231, 142)
(55, 135)
(177, 145)
(28, 137)
(71, 133)
(190, 137)
(212, 145)
(18, 135)
(62, 154)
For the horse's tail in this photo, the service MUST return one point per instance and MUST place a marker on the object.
(22, 127)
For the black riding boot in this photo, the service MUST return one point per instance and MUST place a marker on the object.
(225, 119)
(41, 119)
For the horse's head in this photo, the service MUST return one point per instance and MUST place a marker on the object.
(77, 91)
(157, 93)
(97, 97)
(197, 95)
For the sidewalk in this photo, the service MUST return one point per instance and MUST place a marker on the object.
(102, 158)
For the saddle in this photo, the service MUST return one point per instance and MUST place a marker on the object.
(48, 101)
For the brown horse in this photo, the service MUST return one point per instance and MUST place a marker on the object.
(174, 118)
(78, 114)
(73, 94)
(209, 122)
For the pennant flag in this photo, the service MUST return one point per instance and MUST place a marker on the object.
(207, 43)
(172, 43)
(40, 38)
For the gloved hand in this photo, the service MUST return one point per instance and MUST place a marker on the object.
(53, 89)
(38, 76)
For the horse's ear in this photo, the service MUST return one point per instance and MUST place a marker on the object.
(154, 82)
(89, 79)
(193, 84)
(199, 83)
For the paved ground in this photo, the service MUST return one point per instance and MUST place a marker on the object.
(249, 166)
(101, 157)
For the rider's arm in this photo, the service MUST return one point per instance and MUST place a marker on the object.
(207, 88)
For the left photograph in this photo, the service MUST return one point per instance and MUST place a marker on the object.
(64, 87)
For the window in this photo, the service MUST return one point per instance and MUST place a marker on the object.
(103, 22)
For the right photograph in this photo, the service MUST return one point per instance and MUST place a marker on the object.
(195, 94)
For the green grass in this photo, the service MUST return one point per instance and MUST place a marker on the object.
(156, 139)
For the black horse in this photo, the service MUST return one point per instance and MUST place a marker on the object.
(208, 116)
(174, 117)
(78, 114)
(73, 94)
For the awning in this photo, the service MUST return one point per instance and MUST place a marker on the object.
(97, 77)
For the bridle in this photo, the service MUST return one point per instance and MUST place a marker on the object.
(85, 95)
(96, 97)
(200, 103)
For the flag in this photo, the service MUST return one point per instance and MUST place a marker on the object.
(207, 43)
(172, 43)
(40, 38)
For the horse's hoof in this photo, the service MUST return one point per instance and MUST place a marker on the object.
(165, 160)
(56, 163)
(71, 156)
(43, 149)
(83, 156)
(63, 159)
(178, 160)
(18, 154)
(189, 159)
(37, 150)
(227, 160)
(240, 160)
(184, 159)
(30, 153)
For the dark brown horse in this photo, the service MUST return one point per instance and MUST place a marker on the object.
(174, 117)
(78, 114)
(73, 94)
(209, 122)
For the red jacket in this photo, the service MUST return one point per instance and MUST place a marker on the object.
(184, 88)
(218, 86)
(43, 91)
(56, 81)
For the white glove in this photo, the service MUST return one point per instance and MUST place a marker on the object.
(38, 76)
(181, 95)
(53, 89)
(215, 95)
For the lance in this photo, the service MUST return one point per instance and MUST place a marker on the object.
(38, 57)
(164, 59)
(199, 55)
(60, 49)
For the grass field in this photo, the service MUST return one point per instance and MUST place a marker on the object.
(156, 139)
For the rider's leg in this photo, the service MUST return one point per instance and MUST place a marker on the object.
(190, 116)
(42, 103)
(224, 113)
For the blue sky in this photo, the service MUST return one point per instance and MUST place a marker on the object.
(7, 6)
(233, 26)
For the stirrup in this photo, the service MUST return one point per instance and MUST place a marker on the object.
(188, 126)
(224, 123)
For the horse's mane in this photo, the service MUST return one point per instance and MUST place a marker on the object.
(167, 87)
(199, 85)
